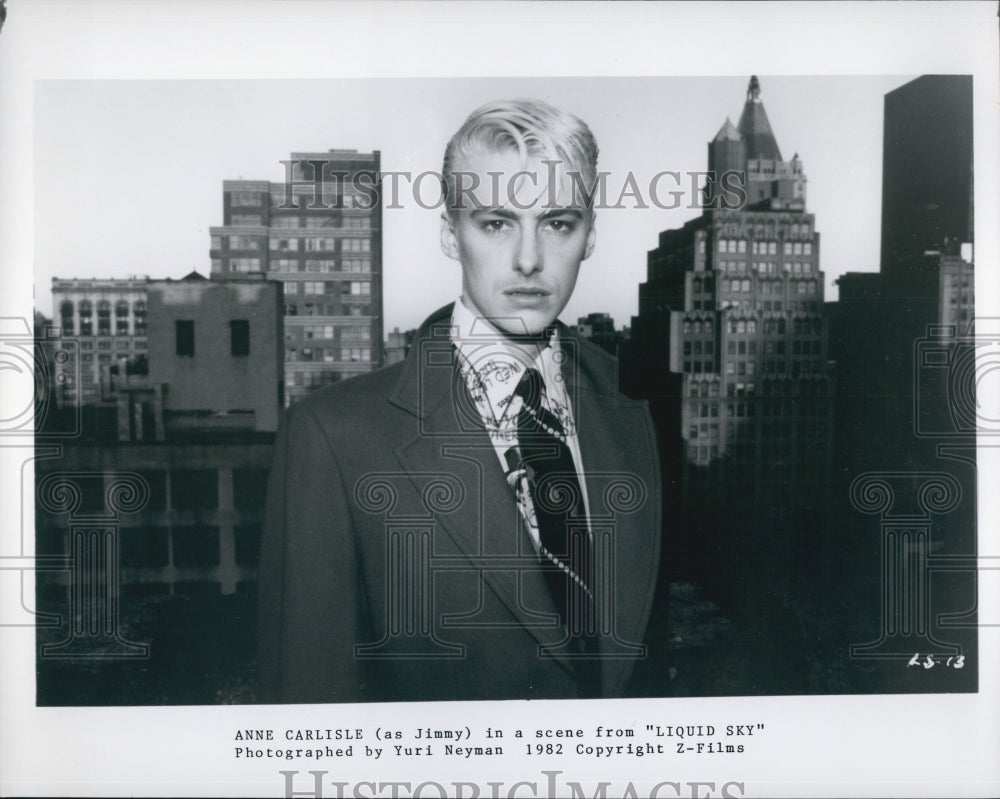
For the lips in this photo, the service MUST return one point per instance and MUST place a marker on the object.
(527, 291)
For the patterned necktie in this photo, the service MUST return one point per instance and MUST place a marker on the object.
(559, 513)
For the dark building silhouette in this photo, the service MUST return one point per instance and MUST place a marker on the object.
(600, 329)
(927, 176)
(319, 233)
(397, 345)
(730, 346)
(904, 342)
(924, 293)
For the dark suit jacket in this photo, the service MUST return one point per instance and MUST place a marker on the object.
(394, 564)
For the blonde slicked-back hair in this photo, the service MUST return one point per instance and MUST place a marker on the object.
(532, 128)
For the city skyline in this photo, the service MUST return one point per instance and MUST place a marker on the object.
(93, 136)
(66, 216)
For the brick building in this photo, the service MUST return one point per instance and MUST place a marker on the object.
(320, 233)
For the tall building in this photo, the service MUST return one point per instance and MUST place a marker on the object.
(108, 318)
(927, 176)
(925, 288)
(320, 233)
(730, 345)
(907, 411)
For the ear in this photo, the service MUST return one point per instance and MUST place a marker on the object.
(449, 243)
(591, 239)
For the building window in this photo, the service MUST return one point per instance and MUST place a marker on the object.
(196, 546)
(239, 337)
(244, 198)
(184, 329)
(245, 220)
(360, 288)
(355, 354)
(320, 244)
(244, 265)
(243, 243)
(356, 245)
(285, 245)
(86, 318)
(139, 312)
(66, 313)
(317, 332)
(121, 318)
(143, 547)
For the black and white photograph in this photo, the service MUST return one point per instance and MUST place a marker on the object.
(409, 424)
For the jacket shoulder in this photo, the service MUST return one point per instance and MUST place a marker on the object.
(351, 400)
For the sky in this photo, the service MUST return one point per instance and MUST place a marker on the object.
(128, 173)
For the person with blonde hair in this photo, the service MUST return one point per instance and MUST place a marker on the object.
(481, 520)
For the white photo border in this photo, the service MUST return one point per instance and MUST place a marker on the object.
(915, 745)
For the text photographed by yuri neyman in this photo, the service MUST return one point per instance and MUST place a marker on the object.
(512, 400)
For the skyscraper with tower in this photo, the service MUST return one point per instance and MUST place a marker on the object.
(730, 345)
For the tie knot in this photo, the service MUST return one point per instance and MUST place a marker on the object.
(530, 389)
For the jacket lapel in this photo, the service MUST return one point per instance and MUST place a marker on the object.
(605, 419)
(486, 526)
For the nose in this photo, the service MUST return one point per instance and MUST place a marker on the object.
(527, 260)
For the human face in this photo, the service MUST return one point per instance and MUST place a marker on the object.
(520, 251)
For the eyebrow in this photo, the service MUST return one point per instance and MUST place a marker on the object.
(506, 213)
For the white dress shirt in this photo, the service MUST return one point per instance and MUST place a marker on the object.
(492, 367)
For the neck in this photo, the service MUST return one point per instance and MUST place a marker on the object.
(527, 344)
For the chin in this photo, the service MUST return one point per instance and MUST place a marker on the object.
(534, 322)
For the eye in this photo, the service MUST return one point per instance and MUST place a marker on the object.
(562, 225)
(495, 225)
